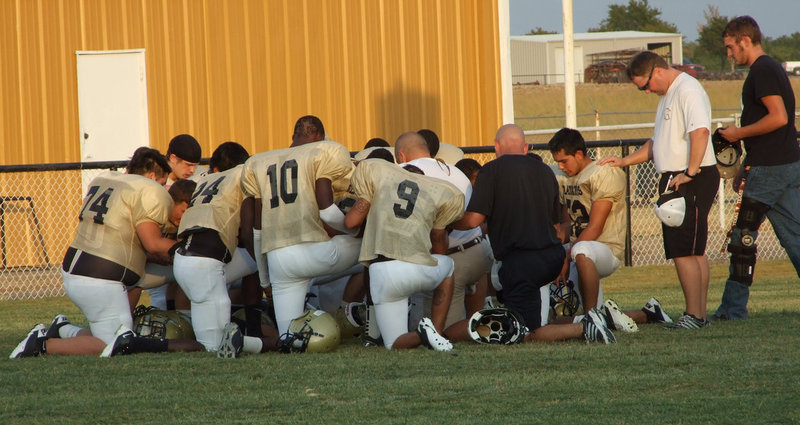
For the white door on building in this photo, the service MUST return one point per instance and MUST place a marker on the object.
(112, 105)
(577, 53)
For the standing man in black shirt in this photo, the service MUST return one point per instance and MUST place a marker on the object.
(772, 164)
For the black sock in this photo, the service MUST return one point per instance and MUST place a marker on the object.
(170, 305)
(147, 345)
(252, 315)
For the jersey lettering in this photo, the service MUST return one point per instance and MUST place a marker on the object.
(98, 205)
(580, 217)
(285, 194)
(407, 191)
(207, 192)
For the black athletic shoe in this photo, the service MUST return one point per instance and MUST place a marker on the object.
(59, 321)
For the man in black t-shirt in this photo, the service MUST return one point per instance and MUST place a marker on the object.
(517, 196)
(772, 164)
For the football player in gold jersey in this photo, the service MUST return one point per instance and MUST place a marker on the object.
(406, 216)
(297, 216)
(120, 221)
(210, 231)
(593, 198)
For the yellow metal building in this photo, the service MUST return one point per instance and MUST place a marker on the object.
(245, 70)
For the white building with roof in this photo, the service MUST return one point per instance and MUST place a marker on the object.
(540, 58)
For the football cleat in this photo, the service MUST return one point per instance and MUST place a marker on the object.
(356, 313)
(595, 328)
(59, 321)
(688, 321)
(654, 312)
(121, 344)
(616, 319)
(372, 335)
(496, 326)
(232, 342)
(431, 338)
(32, 345)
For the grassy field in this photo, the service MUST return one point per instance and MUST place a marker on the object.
(732, 373)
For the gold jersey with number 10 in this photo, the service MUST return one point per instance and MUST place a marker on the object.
(595, 183)
(285, 181)
(114, 205)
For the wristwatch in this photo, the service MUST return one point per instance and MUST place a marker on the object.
(691, 176)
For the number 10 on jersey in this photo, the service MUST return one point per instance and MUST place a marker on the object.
(285, 177)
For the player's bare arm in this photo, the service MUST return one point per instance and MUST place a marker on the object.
(355, 217)
(470, 220)
(247, 224)
(150, 234)
(323, 190)
(698, 138)
(643, 154)
(597, 220)
(776, 118)
(439, 241)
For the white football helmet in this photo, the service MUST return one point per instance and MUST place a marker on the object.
(671, 208)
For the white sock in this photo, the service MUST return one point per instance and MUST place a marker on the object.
(68, 331)
(252, 345)
(577, 319)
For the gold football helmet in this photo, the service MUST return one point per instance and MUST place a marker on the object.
(151, 322)
(314, 332)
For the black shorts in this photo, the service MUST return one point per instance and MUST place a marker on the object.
(522, 274)
(692, 236)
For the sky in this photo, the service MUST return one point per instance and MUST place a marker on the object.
(774, 17)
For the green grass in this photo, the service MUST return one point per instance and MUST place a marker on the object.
(732, 373)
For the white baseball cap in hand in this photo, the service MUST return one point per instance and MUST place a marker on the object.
(671, 208)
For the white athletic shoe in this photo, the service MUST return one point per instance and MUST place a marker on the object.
(595, 328)
(232, 342)
(121, 343)
(654, 312)
(31, 346)
(616, 319)
(432, 339)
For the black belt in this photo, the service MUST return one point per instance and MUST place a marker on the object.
(99, 268)
(465, 246)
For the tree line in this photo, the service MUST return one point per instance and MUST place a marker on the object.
(708, 50)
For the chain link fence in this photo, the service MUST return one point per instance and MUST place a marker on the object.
(39, 206)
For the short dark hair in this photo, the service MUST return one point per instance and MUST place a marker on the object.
(185, 147)
(431, 139)
(413, 169)
(308, 128)
(181, 190)
(468, 166)
(227, 156)
(644, 62)
(146, 160)
(743, 26)
(568, 139)
(376, 142)
(381, 154)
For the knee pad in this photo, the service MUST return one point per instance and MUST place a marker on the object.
(751, 214)
(743, 262)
